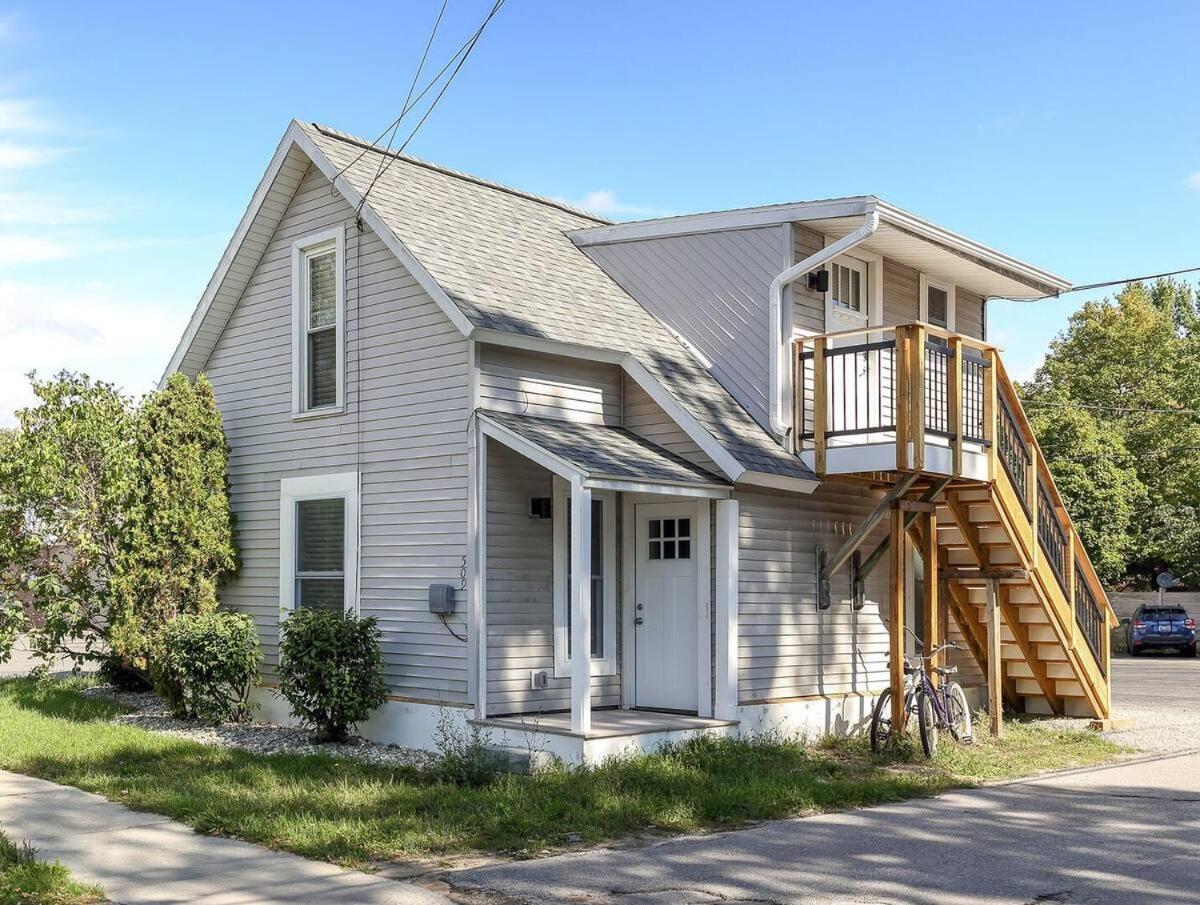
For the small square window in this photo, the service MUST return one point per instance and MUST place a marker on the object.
(668, 549)
(685, 527)
(685, 549)
(668, 527)
(655, 527)
(655, 549)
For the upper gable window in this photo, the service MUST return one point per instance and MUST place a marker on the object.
(318, 317)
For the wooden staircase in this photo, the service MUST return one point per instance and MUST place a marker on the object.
(933, 417)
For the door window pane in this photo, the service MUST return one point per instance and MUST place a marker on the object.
(669, 538)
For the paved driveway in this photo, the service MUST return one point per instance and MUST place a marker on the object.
(1064, 838)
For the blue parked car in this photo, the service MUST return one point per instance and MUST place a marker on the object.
(1156, 627)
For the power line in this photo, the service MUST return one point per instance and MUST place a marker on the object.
(394, 125)
(1102, 285)
(466, 53)
(1035, 403)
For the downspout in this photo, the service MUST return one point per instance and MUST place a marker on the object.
(779, 344)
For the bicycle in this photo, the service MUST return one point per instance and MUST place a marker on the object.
(938, 707)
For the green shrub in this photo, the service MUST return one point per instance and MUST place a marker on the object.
(208, 664)
(331, 671)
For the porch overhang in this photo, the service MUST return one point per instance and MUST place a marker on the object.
(600, 457)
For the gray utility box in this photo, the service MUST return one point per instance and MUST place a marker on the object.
(441, 598)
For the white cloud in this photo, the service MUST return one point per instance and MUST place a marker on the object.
(1194, 180)
(22, 115)
(29, 209)
(22, 157)
(605, 203)
(87, 328)
(30, 250)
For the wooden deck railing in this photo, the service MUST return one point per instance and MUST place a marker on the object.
(905, 384)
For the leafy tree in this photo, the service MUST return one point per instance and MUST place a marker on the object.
(65, 479)
(1113, 406)
(113, 518)
(178, 542)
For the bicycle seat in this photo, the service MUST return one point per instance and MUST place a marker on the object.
(947, 670)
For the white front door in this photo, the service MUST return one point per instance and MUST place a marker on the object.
(666, 621)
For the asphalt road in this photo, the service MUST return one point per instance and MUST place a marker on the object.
(1121, 834)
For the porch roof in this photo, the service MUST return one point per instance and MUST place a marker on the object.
(600, 452)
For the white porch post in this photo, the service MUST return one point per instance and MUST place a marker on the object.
(727, 610)
(581, 606)
(477, 526)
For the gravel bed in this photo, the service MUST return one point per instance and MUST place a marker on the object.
(147, 711)
(1155, 730)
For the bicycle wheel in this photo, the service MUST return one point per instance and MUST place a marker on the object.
(881, 720)
(958, 713)
(927, 723)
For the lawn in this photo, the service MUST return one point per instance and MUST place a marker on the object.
(352, 813)
(27, 880)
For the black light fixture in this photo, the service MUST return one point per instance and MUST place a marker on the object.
(818, 281)
(540, 507)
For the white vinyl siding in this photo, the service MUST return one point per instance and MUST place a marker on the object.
(549, 386)
(646, 418)
(786, 648)
(712, 290)
(520, 592)
(407, 407)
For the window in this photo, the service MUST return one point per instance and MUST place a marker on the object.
(603, 584)
(318, 313)
(318, 542)
(937, 303)
(670, 538)
(848, 285)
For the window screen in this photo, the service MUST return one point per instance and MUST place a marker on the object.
(321, 327)
(321, 554)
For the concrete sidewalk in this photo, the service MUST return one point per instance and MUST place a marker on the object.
(1123, 834)
(143, 858)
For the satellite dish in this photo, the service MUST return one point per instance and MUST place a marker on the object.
(1166, 580)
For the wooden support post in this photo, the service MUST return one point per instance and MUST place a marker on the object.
(918, 376)
(1069, 576)
(820, 412)
(989, 410)
(896, 619)
(954, 401)
(903, 395)
(995, 664)
(932, 586)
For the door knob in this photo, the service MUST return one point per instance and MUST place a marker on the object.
(638, 620)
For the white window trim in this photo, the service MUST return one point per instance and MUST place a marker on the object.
(301, 249)
(316, 487)
(601, 666)
(923, 285)
(839, 318)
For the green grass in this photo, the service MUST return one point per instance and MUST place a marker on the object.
(352, 813)
(26, 880)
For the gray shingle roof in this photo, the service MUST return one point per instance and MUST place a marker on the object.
(504, 258)
(606, 452)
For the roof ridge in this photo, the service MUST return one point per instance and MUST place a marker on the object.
(331, 132)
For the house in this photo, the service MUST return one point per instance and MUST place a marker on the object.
(605, 485)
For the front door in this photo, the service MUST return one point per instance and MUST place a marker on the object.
(666, 622)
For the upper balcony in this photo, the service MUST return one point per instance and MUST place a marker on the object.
(912, 397)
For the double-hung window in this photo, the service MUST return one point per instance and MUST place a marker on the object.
(318, 537)
(603, 582)
(318, 316)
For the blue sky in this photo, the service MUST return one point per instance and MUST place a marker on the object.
(132, 135)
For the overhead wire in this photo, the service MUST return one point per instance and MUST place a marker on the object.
(1102, 285)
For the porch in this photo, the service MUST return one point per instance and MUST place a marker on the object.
(604, 622)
